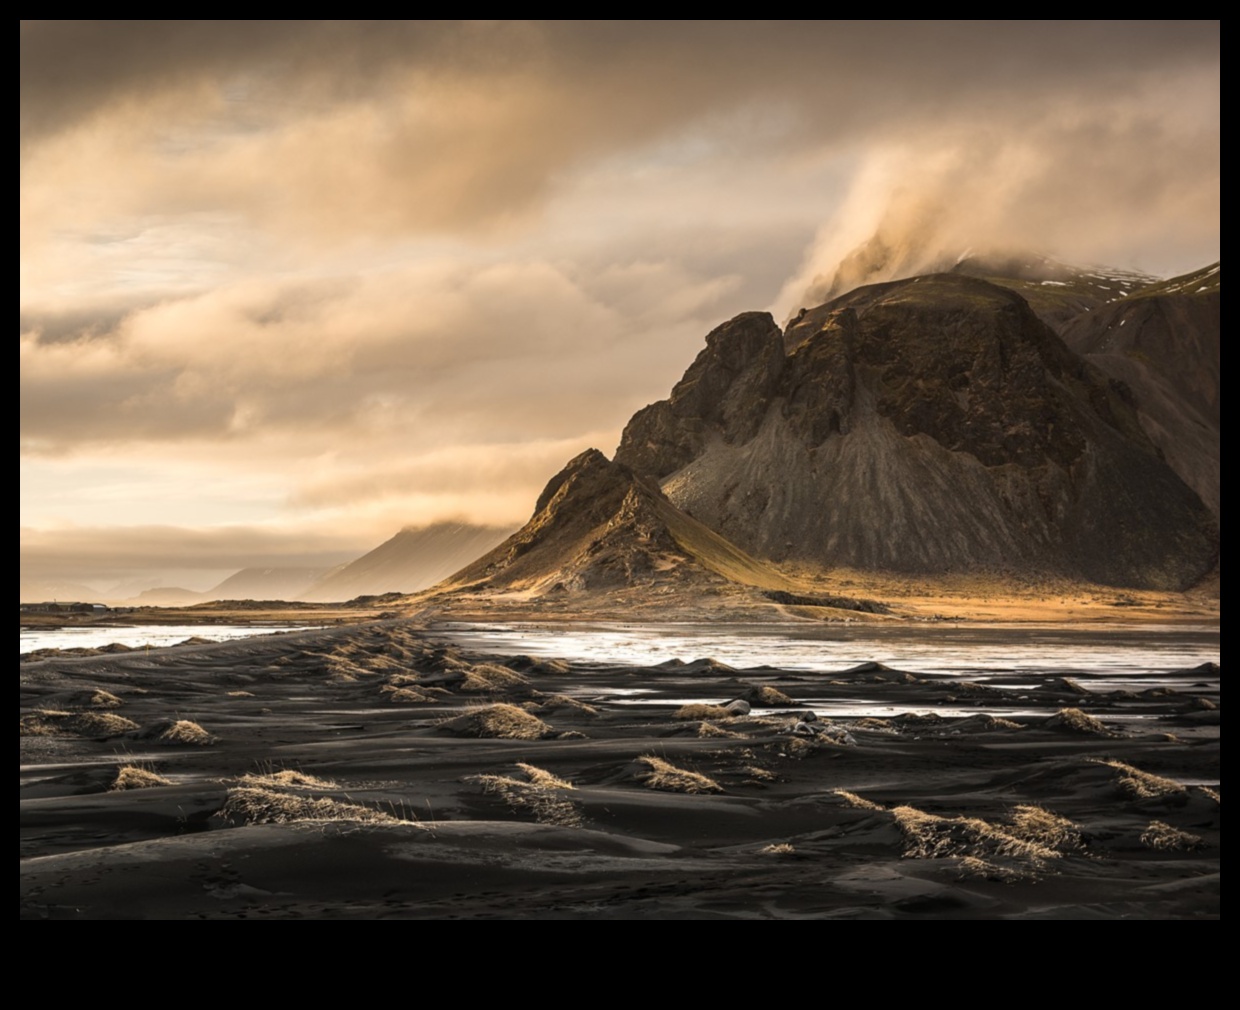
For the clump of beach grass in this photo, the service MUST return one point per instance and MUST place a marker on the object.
(1076, 721)
(51, 722)
(184, 732)
(137, 777)
(254, 805)
(500, 720)
(709, 729)
(664, 775)
(1165, 838)
(1042, 827)
(539, 794)
(697, 710)
(490, 677)
(407, 695)
(1139, 785)
(285, 778)
(104, 699)
(857, 802)
(929, 836)
(767, 696)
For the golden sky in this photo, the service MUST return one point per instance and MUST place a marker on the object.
(287, 287)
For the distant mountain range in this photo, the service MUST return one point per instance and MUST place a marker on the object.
(415, 558)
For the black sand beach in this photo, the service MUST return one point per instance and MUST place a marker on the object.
(375, 771)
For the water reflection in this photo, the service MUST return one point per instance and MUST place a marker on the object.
(982, 653)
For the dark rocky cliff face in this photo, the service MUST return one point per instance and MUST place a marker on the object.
(923, 425)
(1166, 346)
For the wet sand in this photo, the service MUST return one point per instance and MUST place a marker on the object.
(373, 771)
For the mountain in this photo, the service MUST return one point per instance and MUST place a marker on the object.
(924, 425)
(52, 590)
(1164, 341)
(415, 558)
(265, 584)
(599, 526)
(167, 596)
(1057, 292)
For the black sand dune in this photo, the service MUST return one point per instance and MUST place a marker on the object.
(373, 771)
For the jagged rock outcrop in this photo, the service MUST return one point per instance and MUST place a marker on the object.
(600, 526)
(929, 425)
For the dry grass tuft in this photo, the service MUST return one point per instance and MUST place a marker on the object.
(250, 805)
(709, 729)
(1076, 721)
(240, 694)
(757, 774)
(185, 732)
(1038, 825)
(766, 696)
(542, 778)
(104, 699)
(538, 795)
(556, 702)
(928, 836)
(285, 779)
(984, 869)
(407, 695)
(490, 677)
(1165, 838)
(1139, 785)
(1212, 793)
(697, 710)
(51, 722)
(667, 777)
(778, 849)
(137, 777)
(507, 722)
(858, 802)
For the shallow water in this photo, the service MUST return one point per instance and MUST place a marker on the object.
(138, 636)
(1124, 656)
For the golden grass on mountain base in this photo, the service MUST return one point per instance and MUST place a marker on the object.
(666, 776)
(501, 720)
(137, 777)
(1165, 838)
(1139, 785)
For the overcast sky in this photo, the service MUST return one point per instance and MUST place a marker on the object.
(287, 287)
